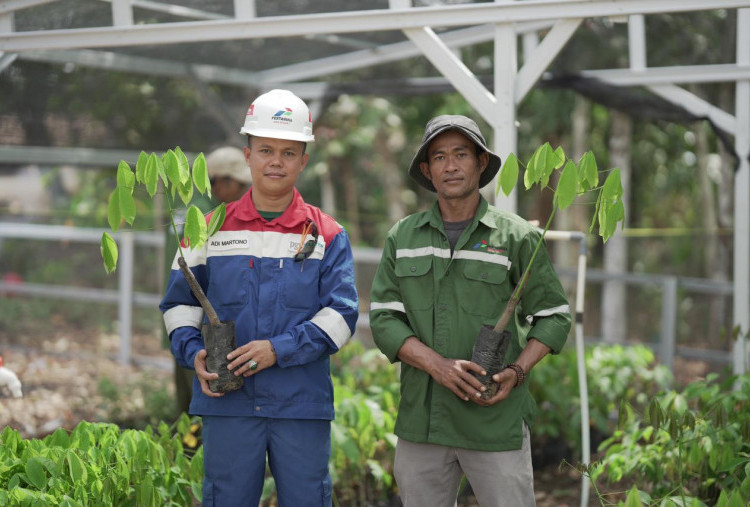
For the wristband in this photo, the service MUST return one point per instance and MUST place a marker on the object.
(520, 375)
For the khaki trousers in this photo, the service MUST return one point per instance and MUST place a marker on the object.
(429, 475)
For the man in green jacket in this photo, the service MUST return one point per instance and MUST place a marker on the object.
(444, 273)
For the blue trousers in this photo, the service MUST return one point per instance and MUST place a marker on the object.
(235, 450)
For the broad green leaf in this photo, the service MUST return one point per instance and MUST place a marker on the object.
(508, 175)
(217, 219)
(126, 203)
(171, 169)
(140, 167)
(160, 169)
(108, 248)
(567, 186)
(588, 173)
(125, 177)
(195, 227)
(114, 214)
(531, 175)
(151, 174)
(559, 157)
(186, 191)
(78, 470)
(200, 175)
(182, 165)
(633, 499)
(550, 163)
(610, 207)
(680, 404)
(35, 473)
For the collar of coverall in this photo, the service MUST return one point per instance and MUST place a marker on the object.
(293, 216)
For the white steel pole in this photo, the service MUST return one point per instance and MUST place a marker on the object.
(505, 135)
(741, 200)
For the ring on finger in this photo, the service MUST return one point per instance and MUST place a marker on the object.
(252, 365)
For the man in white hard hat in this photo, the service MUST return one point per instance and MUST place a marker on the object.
(230, 178)
(282, 270)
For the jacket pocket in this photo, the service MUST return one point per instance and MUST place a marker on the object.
(487, 289)
(416, 282)
(300, 285)
(229, 284)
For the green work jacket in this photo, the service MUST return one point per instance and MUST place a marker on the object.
(421, 290)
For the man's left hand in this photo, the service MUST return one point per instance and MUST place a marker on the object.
(252, 357)
(506, 380)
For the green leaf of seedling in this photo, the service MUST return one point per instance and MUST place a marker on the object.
(127, 204)
(125, 177)
(567, 186)
(633, 499)
(532, 173)
(140, 167)
(171, 169)
(108, 248)
(200, 175)
(78, 472)
(588, 172)
(195, 227)
(186, 191)
(217, 219)
(183, 165)
(508, 175)
(160, 169)
(610, 208)
(559, 157)
(35, 473)
(114, 215)
(151, 174)
(546, 162)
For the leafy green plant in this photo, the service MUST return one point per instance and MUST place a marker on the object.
(575, 179)
(689, 448)
(616, 373)
(177, 178)
(99, 464)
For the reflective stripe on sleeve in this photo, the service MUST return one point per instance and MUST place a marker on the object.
(395, 306)
(548, 312)
(333, 324)
(183, 315)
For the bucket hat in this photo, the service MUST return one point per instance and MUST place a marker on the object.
(465, 126)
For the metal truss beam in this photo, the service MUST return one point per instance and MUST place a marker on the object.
(8, 6)
(543, 55)
(348, 22)
(696, 105)
(725, 72)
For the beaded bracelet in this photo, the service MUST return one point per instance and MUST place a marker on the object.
(520, 375)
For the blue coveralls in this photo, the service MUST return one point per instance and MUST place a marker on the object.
(308, 310)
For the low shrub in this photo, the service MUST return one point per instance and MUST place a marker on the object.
(688, 448)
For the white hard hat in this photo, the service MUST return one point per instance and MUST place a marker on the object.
(279, 114)
(228, 161)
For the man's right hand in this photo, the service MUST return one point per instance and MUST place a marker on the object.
(453, 374)
(203, 375)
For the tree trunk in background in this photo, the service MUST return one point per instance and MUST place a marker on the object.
(574, 218)
(614, 294)
(392, 180)
(351, 200)
(327, 195)
(714, 262)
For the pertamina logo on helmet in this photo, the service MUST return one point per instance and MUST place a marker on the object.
(284, 115)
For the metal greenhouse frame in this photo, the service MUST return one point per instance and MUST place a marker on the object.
(460, 25)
